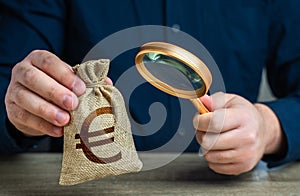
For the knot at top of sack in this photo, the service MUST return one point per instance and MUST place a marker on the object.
(93, 72)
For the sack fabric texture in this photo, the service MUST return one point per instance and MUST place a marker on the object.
(98, 140)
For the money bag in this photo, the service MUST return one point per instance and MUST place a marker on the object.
(98, 140)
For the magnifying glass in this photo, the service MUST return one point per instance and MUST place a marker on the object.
(175, 71)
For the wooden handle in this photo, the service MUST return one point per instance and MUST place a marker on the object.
(199, 106)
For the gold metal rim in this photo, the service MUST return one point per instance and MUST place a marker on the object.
(181, 55)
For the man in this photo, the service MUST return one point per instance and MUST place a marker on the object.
(242, 36)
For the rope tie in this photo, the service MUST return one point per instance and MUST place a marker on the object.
(96, 86)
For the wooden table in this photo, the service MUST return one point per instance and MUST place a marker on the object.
(38, 174)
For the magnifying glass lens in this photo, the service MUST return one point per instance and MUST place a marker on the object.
(175, 71)
(172, 72)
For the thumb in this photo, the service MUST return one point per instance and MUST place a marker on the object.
(108, 81)
(207, 102)
(216, 101)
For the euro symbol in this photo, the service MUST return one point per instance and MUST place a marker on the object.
(85, 135)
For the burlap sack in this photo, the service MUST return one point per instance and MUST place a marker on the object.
(98, 140)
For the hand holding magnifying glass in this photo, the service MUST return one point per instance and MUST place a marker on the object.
(178, 72)
(175, 71)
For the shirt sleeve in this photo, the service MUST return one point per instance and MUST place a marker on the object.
(25, 26)
(283, 68)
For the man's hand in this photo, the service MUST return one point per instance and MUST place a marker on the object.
(41, 92)
(236, 133)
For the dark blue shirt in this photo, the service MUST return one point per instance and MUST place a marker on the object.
(242, 36)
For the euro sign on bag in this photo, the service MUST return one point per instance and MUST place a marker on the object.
(98, 140)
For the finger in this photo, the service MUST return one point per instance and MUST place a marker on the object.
(108, 81)
(222, 156)
(29, 132)
(229, 168)
(219, 121)
(40, 107)
(199, 136)
(57, 69)
(39, 82)
(224, 141)
(209, 141)
(210, 122)
(31, 124)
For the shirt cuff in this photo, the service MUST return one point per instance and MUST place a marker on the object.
(287, 111)
(13, 141)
